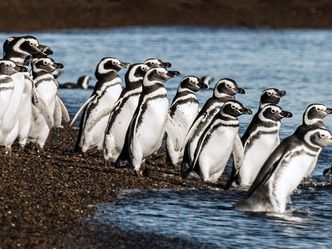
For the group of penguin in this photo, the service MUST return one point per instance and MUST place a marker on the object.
(130, 124)
(30, 107)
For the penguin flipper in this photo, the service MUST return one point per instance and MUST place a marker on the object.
(100, 115)
(200, 144)
(81, 109)
(64, 110)
(171, 128)
(43, 108)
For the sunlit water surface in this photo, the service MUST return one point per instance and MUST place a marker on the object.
(298, 61)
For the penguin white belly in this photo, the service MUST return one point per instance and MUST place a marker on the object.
(95, 137)
(215, 153)
(148, 134)
(287, 177)
(255, 156)
(116, 133)
(6, 91)
(178, 129)
(25, 116)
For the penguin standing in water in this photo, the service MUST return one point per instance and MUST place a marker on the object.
(224, 90)
(106, 92)
(46, 87)
(147, 126)
(260, 138)
(182, 113)
(284, 170)
(217, 142)
(123, 112)
(8, 123)
(21, 50)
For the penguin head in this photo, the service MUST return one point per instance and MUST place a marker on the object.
(227, 87)
(158, 75)
(315, 113)
(234, 108)
(26, 46)
(83, 81)
(135, 73)
(108, 65)
(318, 137)
(207, 80)
(273, 113)
(45, 65)
(271, 96)
(192, 83)
(154, 62)
(9, 67)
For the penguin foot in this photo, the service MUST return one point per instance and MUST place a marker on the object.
(40, 150)
(108, 163)
(21, 150)
(121, 163)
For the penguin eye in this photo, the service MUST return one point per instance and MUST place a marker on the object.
(6, 65)
(228, 85)
(233, 106)
(319, 109)
(269, 93)
(273, 110)
(322, 135)
(45, 62)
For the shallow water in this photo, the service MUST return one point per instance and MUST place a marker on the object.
(298, 61)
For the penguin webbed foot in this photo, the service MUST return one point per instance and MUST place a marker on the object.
(21, 150)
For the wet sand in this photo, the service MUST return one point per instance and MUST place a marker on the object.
(46, 199)
(21, 15)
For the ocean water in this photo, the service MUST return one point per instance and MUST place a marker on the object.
(298, 61)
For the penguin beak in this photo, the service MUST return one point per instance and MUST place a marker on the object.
(281, 94)
(172, 74)
(240, 90)
(59, 65)
(286, 114)
(166, 64)
(124, 64)
(245, 110)
(328, 110)
(45, 49)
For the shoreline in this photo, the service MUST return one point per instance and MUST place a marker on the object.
(46, 199)
(49, 15)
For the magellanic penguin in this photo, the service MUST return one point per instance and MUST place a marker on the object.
(147, 126)
(46, 87)
(82, 83)
(313, 117)
(21, 50)
(259, 142)
(9, 77)
(123, 112)
(284, 170)
(224, 90)
(262, 124)
(207, 80)
(181, 115)
(217, 142)
(106, 92)
(155, 62)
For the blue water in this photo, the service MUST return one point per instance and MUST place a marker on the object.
(298, 61)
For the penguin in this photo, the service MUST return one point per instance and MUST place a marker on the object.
(123, 112)
(10, 76)
(147, 126)
(313, 117)
(155, 62)
(21, 50)
(46, 87)
(224, 90)
(82, 83)
(207, 80)
(259, 142)
(284, 170)
(268, 96)
(181, 115)
(217, 142)
(106, 92)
